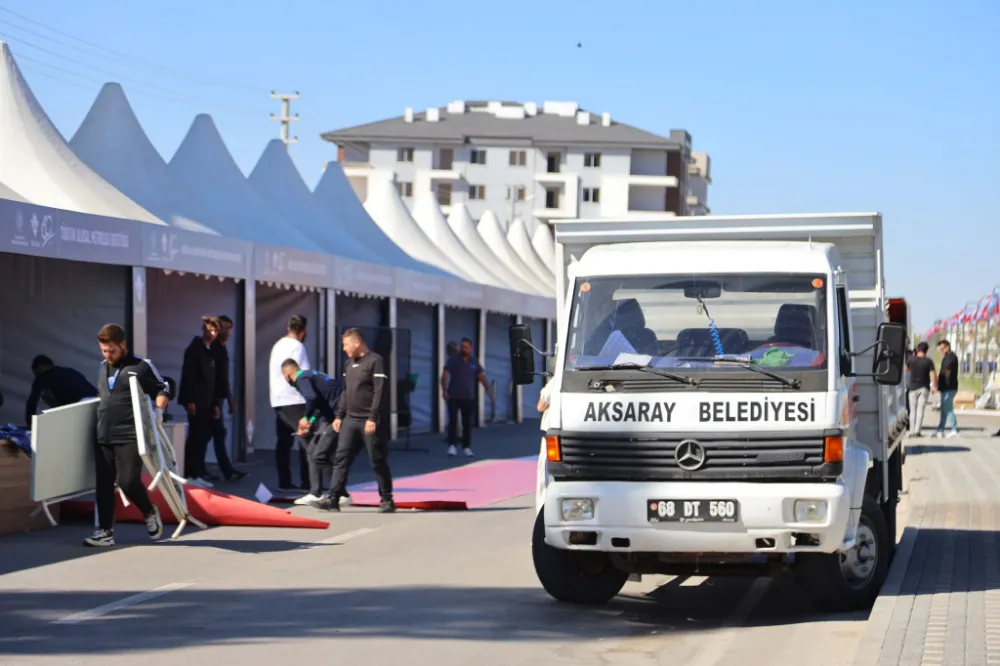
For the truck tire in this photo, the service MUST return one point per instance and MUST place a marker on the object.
(576, 577)
(844, 582)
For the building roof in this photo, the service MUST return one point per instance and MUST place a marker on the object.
(514, 123)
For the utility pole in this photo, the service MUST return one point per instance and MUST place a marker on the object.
(286, 118)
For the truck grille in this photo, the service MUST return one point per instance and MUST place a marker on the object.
(654, 457)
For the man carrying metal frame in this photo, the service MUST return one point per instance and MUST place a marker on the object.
(116, 445)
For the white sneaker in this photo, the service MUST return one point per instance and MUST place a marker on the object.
(305, 499)
(469, 453)
(452, 451)
(346, 501)
(951, 434)
(938, 435)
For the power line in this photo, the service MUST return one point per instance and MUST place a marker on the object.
(286, 118)
(35, 61)
(131, 59)
(93, 67)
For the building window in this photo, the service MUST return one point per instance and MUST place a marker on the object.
(519, 192)
(405, 188)
(592, 160)
(404, 155)
(477, 192)
(519, 158)
(553, 162)
(552, 199)
(477, 157)
(444, 194)
(592, 195)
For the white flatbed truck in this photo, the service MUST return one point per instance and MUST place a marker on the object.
(724, 399)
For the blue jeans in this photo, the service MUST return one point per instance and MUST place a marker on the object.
(948, 412)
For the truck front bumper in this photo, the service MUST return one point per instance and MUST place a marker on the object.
(766, 522)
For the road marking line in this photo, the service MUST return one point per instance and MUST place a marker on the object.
(693, 581)
(341, 538)
(121, 603)
(720, 642)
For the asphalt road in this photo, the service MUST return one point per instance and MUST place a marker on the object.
(410, 588)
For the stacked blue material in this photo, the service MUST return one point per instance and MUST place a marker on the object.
(20, 437)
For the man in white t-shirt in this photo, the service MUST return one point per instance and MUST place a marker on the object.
(288, 403)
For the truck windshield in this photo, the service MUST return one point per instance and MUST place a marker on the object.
(677, 321)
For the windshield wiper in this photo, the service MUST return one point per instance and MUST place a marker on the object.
(749, 365)
(632, 365)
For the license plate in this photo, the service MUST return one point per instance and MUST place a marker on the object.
(692, 511)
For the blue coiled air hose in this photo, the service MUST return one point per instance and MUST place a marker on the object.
(713, 330)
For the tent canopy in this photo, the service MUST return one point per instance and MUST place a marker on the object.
(517, 236)
(277, 180)
(433, 223)
(334, 194)
(489, 229)
(36, 161)
(112, 143)
(462, 224)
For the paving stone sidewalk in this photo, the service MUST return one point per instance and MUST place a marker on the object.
(941, 604)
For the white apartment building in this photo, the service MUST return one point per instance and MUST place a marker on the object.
(533, 161)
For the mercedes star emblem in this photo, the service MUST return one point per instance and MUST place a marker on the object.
(690, 455)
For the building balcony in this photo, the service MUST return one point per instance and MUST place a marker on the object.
(652, 181)
(443, 174)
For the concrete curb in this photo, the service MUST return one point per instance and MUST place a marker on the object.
(877, 627)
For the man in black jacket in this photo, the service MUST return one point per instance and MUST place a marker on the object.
(315, 430)
(117, 448)
(361, 422)
(56, 385)
(198, 395)
(223, 395)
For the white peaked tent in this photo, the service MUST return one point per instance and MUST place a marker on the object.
(517, 236)
(112, 142)
(7, 193)
(335, 195)
(461, 223)
(432, 221)
(277, 180)
(544, 245)
(392, 216)
(489, 229)
(203, 165)
(36, 161)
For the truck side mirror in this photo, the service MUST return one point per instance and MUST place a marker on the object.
(890, 350)
(522, 354)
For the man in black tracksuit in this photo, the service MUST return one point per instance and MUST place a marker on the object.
(117, 448)
(315, 430)
(360, 422)
(198, 396)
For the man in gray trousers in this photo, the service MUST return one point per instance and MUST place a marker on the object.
(923, 380)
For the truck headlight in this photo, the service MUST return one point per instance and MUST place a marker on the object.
(577, 509)
(810, 511)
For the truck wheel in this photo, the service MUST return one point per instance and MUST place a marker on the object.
(843, 582)
(576, 577)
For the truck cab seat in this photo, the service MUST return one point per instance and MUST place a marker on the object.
(795, 324)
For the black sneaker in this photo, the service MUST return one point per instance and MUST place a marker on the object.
(236, 476)
(387, 506)
(100, 539)
(154, 526)
(325, 504)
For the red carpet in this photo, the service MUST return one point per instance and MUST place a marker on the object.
(469, 487)
(209, 506)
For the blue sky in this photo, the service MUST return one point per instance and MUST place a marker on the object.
(803, 106)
